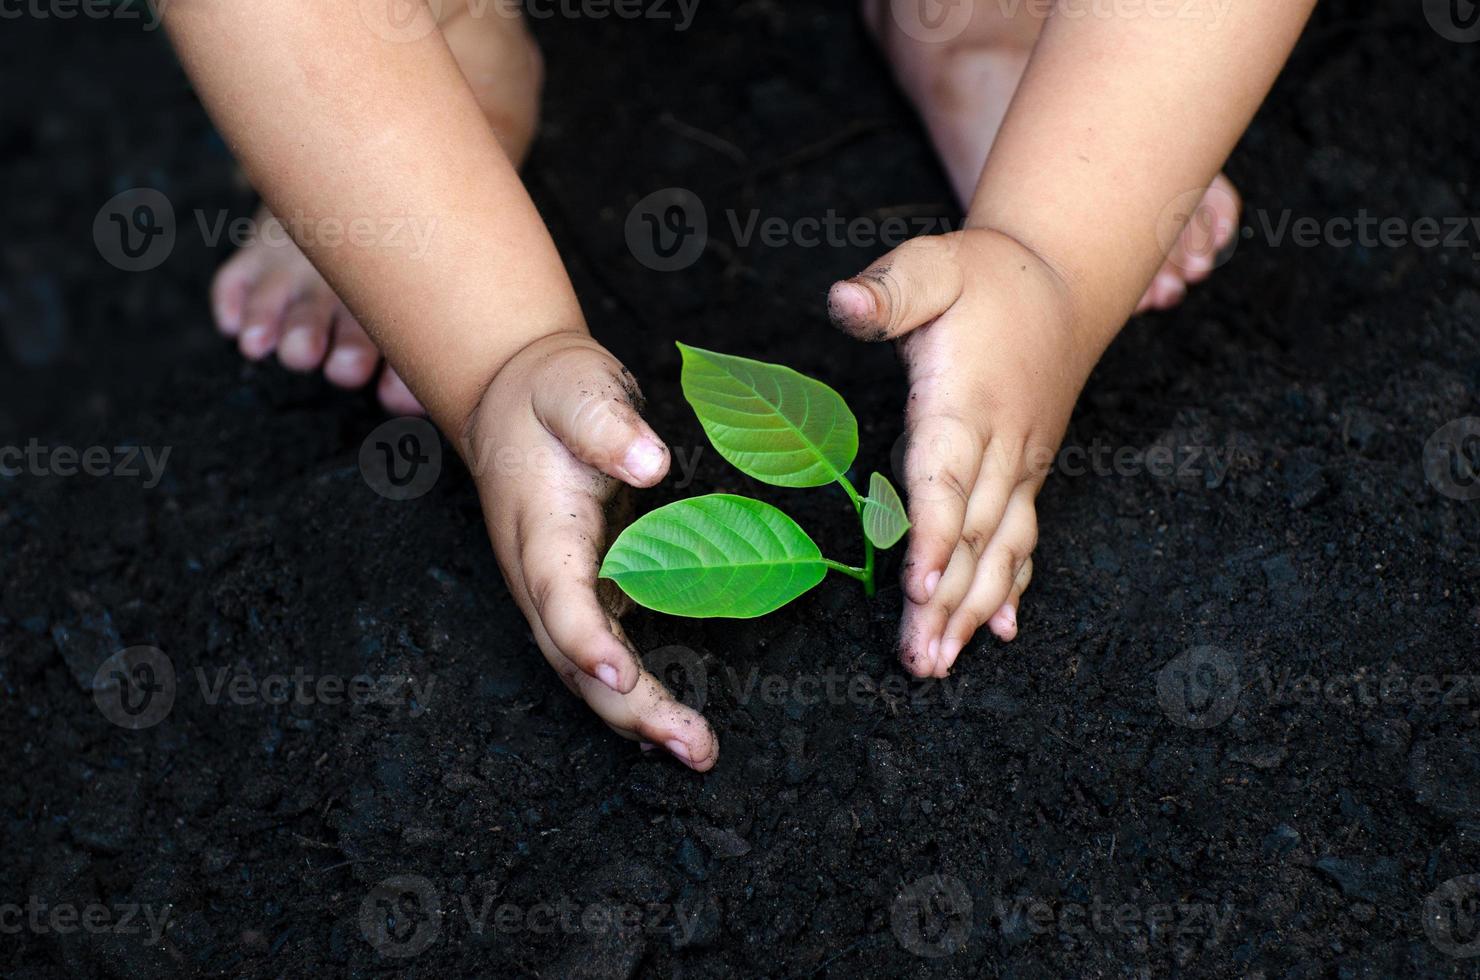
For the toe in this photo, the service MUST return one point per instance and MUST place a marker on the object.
(353, 355)
(306, 326)
(1207, 233)
(395, 396)
(229, 290)
(262, 315)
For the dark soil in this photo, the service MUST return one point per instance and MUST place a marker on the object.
(1142, 762)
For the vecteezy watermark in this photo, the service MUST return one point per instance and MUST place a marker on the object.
(402, 458)
(668, 230)
(135, 230)
(40, 917)
(1360, 690)
(1454, 20)
(919, 463)
(685, 673)
(136, 688)
(938, 21)
(931, 916)
(241, 688)
(1199, 688)
(1451, 917)
(407, 233)
(1103, 917)
(34, 459)
(121, 10)
(404, 21)
(1451, 459)
(402, 916)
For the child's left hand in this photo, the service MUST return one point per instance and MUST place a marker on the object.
(995, 364)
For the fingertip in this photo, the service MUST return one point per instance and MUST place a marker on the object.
(851, 306)
(645, 462)
(1004, 623)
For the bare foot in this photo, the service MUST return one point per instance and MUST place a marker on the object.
(961, 73)
(270, 298)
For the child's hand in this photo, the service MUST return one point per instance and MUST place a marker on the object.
(556, 430)
(995, 365)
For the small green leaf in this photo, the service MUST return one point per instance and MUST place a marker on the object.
(884, 520)
(717, 555)
(772, 423)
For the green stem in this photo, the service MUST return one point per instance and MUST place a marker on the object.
(862, 574)
(866, 575)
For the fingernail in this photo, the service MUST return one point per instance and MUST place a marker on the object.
(607, 674)
(931, 581)
(644, 459)
(850, 301)
(933, 651)
(680, 750)
(949, 652)
(1010, 616)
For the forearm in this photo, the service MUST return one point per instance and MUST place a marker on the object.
(1116, 118)
(335, 125)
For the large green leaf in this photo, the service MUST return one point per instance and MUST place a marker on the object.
(884, 519)
(772, 423)
(717, 555)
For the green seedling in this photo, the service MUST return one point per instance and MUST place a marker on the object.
(723, 555)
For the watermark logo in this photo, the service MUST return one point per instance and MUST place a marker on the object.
(1200, 688)
(667, 230)
(1454, 20)
(932, 21)
(401, 21)
(682, 671)
(1193, 218)
(932, 916)
(135, 688)
(135, 230)
(402, 458)
(1451, 917)
(1451, 459)
(401, 916)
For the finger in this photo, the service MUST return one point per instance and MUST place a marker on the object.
(354, 355)
(998, 569)
(395, 396)
(942, 459)
(306, 325)
(557, 556)
(1004, 621)
(262, 315)
(647, 714)
(650, 714)
(922, 625)
(230, 288)
(905, 289)
(591, 407)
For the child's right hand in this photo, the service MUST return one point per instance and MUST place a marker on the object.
(555, 431)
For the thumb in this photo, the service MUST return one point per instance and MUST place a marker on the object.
(590, 402)
(905, 289)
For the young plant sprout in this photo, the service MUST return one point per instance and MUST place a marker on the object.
(722, 555)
